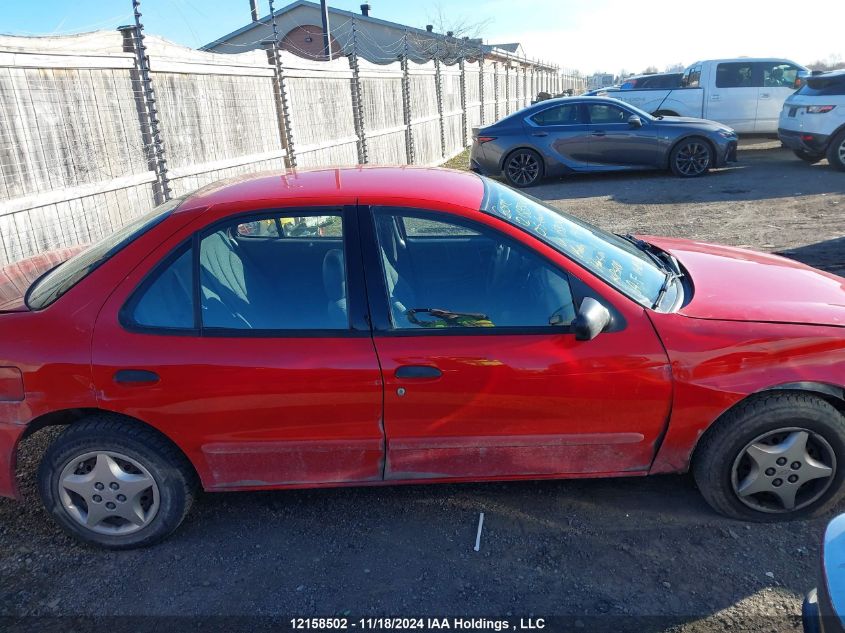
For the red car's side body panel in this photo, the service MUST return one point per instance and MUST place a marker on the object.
(715, 364)
(525, 405)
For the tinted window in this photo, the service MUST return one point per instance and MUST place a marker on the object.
(778, 75)
(821, 86)
(295, 280)
(601, 113)
(735, 75)
(62, 278)
(569, 114)
(460, 278)
(167, 301)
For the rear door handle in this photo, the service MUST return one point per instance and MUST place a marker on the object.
(599, 133)
(417, 371)
(765, 95)
(539, 133)
(135, 377)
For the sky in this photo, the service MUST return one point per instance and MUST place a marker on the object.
(591, 35)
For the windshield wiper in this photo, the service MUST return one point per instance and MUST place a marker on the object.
(645, 247)
(670, 277)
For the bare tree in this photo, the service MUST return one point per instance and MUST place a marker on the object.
(832, 62)
(651, 70)
(675, 68)
(452, 36)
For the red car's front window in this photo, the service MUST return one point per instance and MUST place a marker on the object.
(610, 257)
(52, 285)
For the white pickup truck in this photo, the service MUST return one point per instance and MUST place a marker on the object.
(745, 93)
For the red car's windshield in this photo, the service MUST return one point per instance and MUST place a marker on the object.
(615, 260)
(52, 285)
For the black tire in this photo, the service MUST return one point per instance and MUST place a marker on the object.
(173, 476)
(691, 157)
(721, 450)
(808, 157)
(523, 168)
(836, 152)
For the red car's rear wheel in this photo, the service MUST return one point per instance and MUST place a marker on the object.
(115, 483)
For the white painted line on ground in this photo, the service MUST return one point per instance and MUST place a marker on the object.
(478, 536)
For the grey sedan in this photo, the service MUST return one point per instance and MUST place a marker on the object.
(596, 134)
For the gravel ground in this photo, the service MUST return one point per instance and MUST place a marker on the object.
(601, 552)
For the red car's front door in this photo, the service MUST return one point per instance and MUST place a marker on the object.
(478, 383)
(248, 346)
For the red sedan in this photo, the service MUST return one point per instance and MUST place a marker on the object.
(405, 325)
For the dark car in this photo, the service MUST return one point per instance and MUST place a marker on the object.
(596, 134)
(824, 606)
(657, 81)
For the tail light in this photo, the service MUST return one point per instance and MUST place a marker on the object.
(484, 139)
(11, 384)
(819, 109)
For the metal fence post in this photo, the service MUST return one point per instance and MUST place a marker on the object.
(147, 109)
(464, 114)
(481, 85)
(496, 90)
(508, 94)
(438, 86)
(358, 100)
(287, 135)
(406, 101)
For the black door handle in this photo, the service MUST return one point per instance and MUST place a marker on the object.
(417, 371)
(599, 133)
(135, 377)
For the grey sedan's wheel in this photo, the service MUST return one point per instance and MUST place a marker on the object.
(836, 152)
(691, 157)
(523, 168)
(114, 483)
(778, 456)
(808, 156)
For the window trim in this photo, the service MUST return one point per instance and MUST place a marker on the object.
(377, 288)
(358, 324)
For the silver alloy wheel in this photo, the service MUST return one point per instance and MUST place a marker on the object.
(523, 168)
(693, 159)
(783, 470)
(841, 152)
(108, 493)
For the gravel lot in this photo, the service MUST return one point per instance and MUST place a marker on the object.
(598, 551)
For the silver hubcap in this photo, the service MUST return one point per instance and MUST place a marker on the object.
(108, 493)
(692, 159)
(842, 153)
(523, 169)
(783, 470)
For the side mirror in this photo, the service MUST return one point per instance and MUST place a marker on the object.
(592, 319)
(635, 121)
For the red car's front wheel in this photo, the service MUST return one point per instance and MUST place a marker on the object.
(775, 457)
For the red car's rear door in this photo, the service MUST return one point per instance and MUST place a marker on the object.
(247, 344)
(477, 383)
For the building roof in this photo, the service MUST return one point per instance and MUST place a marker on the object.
(510, 49)
(314, 5)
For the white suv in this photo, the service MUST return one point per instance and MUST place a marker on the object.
(812, 122)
